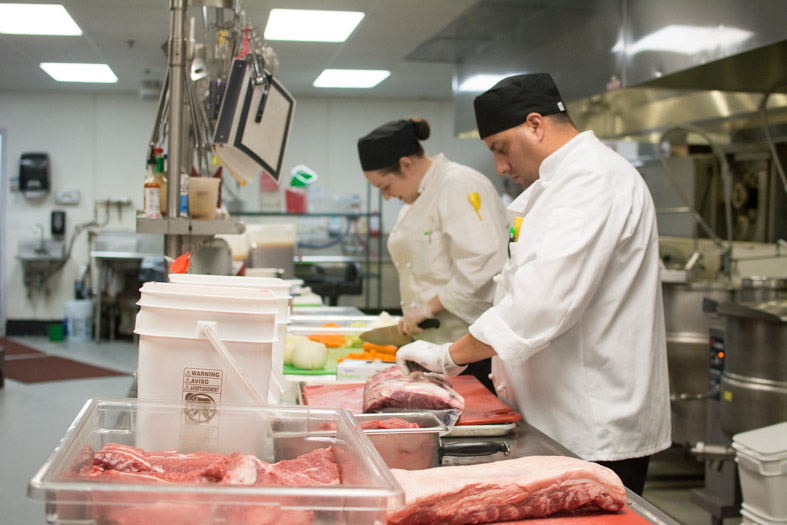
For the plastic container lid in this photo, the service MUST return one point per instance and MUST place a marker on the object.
(766, 443)
(279, 287)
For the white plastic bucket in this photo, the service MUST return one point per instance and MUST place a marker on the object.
(279, 288)
(207, 344)
(182, 322)
(221, 298)
(79, 320)
(750, 517)
(761, 455)
(190, 369)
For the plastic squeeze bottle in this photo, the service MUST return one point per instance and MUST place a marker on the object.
(152, 192)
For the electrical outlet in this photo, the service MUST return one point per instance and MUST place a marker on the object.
(67, 197)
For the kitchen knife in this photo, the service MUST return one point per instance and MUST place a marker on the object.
(389, 335)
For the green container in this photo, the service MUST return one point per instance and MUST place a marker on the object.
(56, 332)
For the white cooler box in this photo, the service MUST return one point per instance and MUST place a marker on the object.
(761, 455)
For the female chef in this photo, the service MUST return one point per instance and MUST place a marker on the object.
(449, 239)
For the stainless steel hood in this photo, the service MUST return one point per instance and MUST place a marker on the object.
(627, 68)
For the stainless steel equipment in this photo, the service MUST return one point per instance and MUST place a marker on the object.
(748, 373)
(687, 354)
(754, 380)
(421, 448)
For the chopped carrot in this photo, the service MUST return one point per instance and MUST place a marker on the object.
(329, 340)
(369, 356)
(383, 349)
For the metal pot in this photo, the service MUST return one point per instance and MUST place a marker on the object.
(754, 381)
(421, 448)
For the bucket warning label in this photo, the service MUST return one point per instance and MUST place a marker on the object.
(202, 383)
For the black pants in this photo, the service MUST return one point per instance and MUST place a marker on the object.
(631, 471)
(481, 370)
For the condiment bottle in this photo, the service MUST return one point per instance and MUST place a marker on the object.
(152, 192)
(161, 178)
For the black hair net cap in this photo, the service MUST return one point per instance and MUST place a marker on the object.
(384, 146)
(508, 103)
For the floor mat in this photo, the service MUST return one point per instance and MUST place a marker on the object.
(16, 349)
(29, 365)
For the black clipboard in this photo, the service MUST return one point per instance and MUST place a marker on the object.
(254, 123)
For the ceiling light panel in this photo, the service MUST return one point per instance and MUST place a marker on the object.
(37, 19)
(91, 73)
(350, 78)
(305, 25)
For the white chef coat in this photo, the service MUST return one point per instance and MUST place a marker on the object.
(578, 320)
(440, 246)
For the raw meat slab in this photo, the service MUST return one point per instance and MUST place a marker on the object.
(625, 516)
(481, 406)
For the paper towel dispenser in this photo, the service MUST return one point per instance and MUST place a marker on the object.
(34, 174)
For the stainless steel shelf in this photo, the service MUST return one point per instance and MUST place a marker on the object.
(186, 226)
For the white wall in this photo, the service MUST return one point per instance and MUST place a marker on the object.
(97, 144)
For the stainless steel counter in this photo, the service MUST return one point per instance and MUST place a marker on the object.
(525, 440)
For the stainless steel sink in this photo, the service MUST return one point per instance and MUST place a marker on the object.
(37, 249)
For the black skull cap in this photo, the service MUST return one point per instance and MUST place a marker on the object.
(508, 103)
(384, 146)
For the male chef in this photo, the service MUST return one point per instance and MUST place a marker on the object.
(577, 324)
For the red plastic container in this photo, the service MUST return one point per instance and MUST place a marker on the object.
(295, 199)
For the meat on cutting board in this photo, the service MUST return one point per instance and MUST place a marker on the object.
(418, 390)
(528, 487)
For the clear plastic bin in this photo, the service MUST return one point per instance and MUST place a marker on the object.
(272, 433)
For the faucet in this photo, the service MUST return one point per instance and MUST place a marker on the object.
(41, 248)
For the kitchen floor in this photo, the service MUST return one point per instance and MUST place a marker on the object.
(33, 418)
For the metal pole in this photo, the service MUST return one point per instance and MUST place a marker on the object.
(177, 62)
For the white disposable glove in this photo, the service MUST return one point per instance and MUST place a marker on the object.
(408, 325)
(431, 356)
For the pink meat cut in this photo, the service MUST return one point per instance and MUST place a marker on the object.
(529, 487)
(390, 389)
(122, 463)
(116, 463)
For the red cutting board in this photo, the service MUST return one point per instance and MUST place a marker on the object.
(625, 516)
(481, 406)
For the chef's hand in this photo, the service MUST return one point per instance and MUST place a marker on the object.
(431, 356)
(408, 325)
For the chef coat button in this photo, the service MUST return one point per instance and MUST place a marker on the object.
(407, 265)
(496, 278)
(396, 264)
